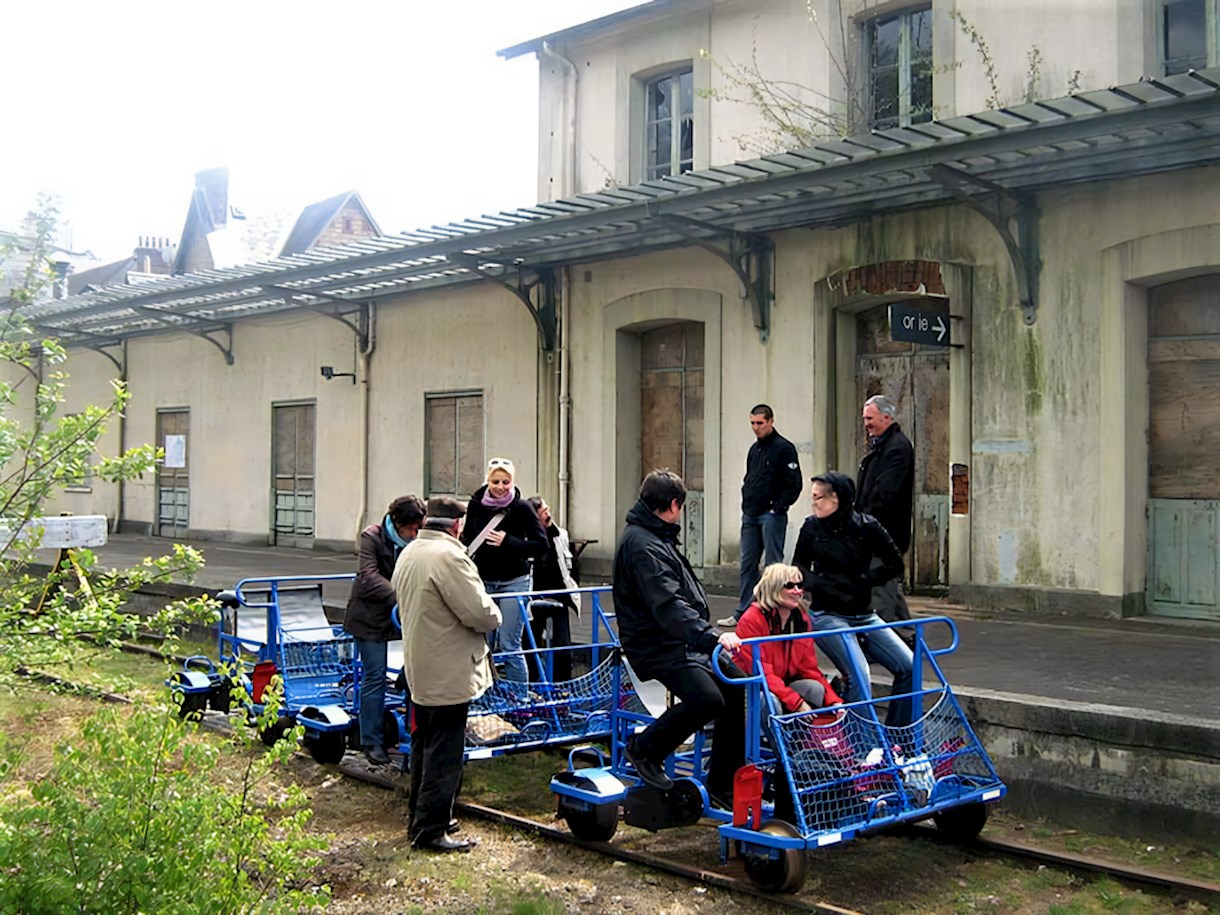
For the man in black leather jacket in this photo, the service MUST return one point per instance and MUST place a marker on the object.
(664, 625)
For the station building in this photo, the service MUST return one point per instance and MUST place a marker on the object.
(735, 200)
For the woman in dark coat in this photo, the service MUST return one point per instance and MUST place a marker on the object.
(502, 535)
(554, 573)
(368, 619)
(835, 551)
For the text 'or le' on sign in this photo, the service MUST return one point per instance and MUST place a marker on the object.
(915, 326)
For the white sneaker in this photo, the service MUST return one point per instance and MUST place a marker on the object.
(729, 622)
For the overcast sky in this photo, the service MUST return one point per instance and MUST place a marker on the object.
(114, 106)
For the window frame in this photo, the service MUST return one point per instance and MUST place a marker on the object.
(676, 164)
(480, 446)
(903, 117)
(1211, 12)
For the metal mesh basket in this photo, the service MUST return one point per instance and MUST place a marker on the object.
(848, 770)
(579, 707)
(315, 670)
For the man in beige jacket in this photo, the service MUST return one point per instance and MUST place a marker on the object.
(445, 615)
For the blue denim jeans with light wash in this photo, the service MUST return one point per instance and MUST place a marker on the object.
(762, 536)
(852, 660)
(511, 629)
(372, 691)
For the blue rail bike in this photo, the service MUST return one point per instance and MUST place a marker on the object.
(811, 779)
(515, 716)
(278, 626)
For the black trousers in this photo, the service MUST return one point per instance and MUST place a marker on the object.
(705, 698)
(437, 744)
(561, 638)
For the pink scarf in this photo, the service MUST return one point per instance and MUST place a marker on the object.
(503, 502)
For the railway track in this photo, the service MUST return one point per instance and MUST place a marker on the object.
(732, 877)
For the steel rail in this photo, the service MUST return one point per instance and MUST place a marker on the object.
(1007, 848)
(700, 875)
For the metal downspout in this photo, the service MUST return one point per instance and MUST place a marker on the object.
(118, 514)
(568, 185)
(567, 189)
(565, 399)
(366, 361)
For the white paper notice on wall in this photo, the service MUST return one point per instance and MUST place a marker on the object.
(175, 451)
(63, 532)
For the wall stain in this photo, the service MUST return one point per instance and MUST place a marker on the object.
(1033, 374)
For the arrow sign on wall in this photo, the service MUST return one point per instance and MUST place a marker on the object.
(915, 326)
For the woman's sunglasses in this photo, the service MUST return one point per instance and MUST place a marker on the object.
(794, 584)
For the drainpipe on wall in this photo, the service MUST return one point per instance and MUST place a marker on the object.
(565, 400)
(366, 360)
(567, 188)
(118, 514)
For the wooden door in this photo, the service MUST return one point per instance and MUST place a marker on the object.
(293, 484)
(916, 378)
(173, 474)
(1184, 449)
(671, 412)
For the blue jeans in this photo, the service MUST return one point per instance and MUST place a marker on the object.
(372, 691)
(760, 535)
(852, 659)
(509, 633)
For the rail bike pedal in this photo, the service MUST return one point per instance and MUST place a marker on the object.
(653, 809)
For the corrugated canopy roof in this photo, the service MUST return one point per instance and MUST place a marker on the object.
(1151, 126)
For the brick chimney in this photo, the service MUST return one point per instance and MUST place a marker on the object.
(153, 254)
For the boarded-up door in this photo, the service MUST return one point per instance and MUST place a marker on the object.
(916, 377)
(293, 434)
(173, 480)
(1184, 449)
(671, 412)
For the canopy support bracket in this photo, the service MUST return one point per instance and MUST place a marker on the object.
(750, 255)
(1013, 215)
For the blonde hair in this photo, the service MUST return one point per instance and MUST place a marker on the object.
(771, 585)
(501, 464)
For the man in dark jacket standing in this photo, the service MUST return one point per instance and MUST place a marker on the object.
(367, 619)
(835, 552)
(772, 483)
(664, 625)
(886, 480)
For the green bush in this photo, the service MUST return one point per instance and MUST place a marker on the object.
(135, 816)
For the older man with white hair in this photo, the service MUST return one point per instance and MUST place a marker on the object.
(884, 488)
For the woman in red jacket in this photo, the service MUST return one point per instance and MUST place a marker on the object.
(791, 666)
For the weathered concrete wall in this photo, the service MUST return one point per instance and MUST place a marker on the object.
(475, 337)
(1147, 776)
(277, 360)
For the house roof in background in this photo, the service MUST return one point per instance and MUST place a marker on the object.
(317, 216)
(1151, 126)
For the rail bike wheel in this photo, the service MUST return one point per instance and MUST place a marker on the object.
(784, 874)
(193, 705)
(274, 733)
(328, 747)
(595, 824)
(961, 824)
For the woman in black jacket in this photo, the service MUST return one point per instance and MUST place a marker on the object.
(502, 535)
(367, 619)
(835, 551)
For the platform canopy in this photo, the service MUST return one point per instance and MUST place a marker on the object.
(1154, 125)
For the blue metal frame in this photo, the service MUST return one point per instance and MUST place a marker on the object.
(846, 771)
(546, 712)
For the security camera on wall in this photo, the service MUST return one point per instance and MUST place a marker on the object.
(328, 372)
